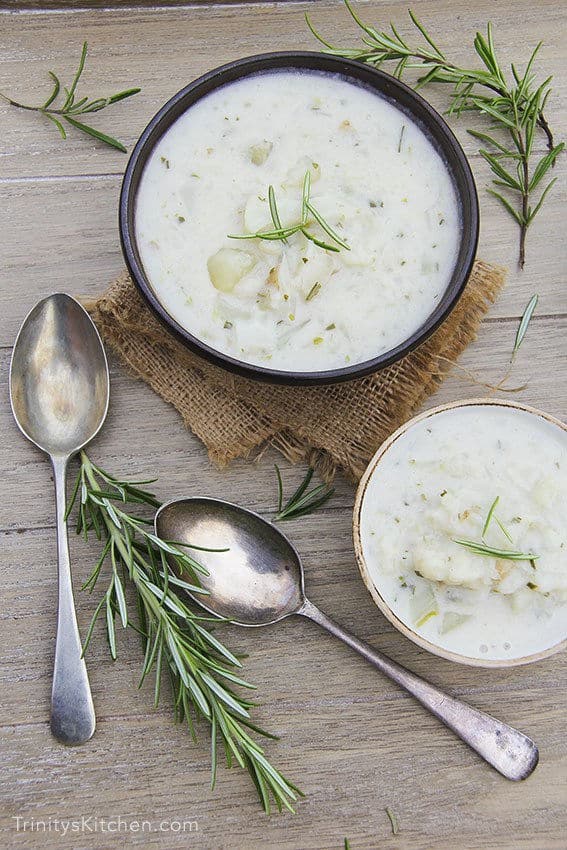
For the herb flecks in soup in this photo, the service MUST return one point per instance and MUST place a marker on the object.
(463, 531)
(348, 275)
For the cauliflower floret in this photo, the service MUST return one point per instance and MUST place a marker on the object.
(513, 575)
(550, 573)
(454, 515)
(387, 551)
(457, 568)
(521, 600)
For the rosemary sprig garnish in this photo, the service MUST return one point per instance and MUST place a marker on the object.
(480, 548)
(175, 638)
(514, 106)
(283, 233)
(71, 107)
(302, 502)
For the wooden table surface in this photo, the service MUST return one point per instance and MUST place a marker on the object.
(352, 741)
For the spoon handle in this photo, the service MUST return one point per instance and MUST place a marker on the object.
(511, 752)
(72, 711)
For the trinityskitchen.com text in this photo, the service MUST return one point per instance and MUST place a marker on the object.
(112, 825)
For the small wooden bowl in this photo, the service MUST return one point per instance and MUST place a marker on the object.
(366, 577)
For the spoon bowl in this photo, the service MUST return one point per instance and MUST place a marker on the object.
(59, 390)
(255, 578)
(258, 581)
(59, 377)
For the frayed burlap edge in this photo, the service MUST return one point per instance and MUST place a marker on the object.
(336, 426)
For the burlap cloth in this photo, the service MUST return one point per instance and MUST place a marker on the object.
(337, 426)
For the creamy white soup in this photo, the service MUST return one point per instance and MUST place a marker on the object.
(445, 507)
(386, 197)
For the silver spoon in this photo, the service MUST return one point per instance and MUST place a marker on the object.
(59, 389)
(259, 581)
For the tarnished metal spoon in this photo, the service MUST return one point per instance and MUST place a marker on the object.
(59, 389)
(259, 581)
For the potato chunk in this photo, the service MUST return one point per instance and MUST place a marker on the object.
(460, 568)
(260, 152)
(228, 266)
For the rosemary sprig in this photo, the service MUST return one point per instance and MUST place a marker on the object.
(515, 108)
(175, 638)
(71, 106)
(283, 233)
(480, 548)
(302, 502)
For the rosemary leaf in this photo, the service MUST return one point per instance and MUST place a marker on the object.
(305, 195)
(524, 322)
(503, 529)
(55, 92)
(483, 549)
(320, 242)
(516, 214)
(280, 488)
(326, 226)
(490, 515)
(96, 134)
(71, 91)
(393, 820)
(274, 210)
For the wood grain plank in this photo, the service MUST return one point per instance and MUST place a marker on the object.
(352, 740)
(167, 48)
(133, 776)
(47, 6)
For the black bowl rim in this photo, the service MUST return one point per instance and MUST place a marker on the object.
(384, 84)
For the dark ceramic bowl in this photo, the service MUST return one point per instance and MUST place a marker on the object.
(383, 84)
